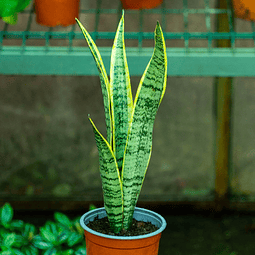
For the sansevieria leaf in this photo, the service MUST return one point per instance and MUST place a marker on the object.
(138, 149)
(120, 92)
(103, 79)
(112, 188)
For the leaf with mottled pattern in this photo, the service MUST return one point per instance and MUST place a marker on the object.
(139, 144)
(112, 188)
(103, 78)
(120, 92)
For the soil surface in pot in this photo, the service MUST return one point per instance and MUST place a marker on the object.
(137, 227)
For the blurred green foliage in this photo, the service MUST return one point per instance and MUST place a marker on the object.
(64, 236)
(10, 8)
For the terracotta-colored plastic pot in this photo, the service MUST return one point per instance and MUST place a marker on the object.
(244, 9)
(140, 4)
(53, 13)
(98, 244)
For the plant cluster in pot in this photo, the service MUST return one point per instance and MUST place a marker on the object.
(52, 13)
(125, 154)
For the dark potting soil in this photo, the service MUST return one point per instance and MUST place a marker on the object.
(137, 227)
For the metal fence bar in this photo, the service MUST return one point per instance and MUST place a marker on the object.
(71, 37)
(163, 14)
(208, 24)
(233, 61)
(106, 35)
(95, 33)
(62, 61)
(230, 24)
(253, 33)
(185, 19)
(140, 34)
(146, 11)
(128, 35)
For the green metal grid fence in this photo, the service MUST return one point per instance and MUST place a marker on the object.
(183, 61)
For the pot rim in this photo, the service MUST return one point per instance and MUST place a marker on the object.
(138, 211)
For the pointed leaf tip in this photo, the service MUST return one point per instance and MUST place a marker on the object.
(158, 26)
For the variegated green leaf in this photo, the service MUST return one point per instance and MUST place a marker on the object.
(63, 219)
(9, 239)
(6, 214)
(111, 183)
(138, 149)
(47, 235)
(51, 251)
(40, 243)
(81, 251)
(103, 78)
(74, 238)
(30, 250)
(120, 92)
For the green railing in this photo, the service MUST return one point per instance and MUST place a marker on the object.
(183, 61)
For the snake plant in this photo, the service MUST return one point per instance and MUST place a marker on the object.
(125, 154)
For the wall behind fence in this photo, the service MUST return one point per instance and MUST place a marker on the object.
(48, 148)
